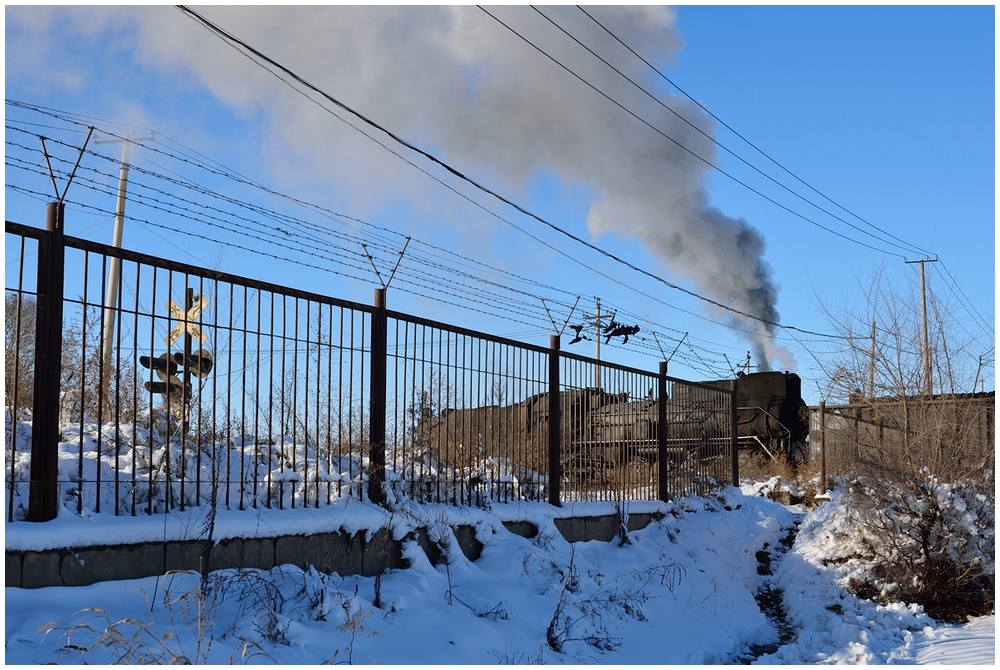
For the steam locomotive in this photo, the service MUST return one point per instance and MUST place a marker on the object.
(601, 429)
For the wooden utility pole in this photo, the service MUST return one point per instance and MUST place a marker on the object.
(925, 350)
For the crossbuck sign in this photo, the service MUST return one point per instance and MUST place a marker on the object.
(186, 320)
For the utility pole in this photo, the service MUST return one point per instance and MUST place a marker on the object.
(114, 272)
(926, 351)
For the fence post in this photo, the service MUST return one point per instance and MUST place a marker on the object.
(555, 424)
(376, 416)
(661, 432)
(822, 447)
(734, 437)
(43, 495)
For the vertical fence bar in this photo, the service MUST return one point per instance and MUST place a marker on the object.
(116, 333)
(377, 391)
(102, 389)
(43, 487)
(229, 391)
(822, 447)
(328, 457)
(661, 433)
(82, 385)
(734, 443)
(134, 382)
(257, 395)
(555, 423)
(151, 478)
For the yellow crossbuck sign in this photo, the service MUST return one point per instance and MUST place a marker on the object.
(186, 320)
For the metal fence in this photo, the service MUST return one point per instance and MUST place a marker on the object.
(199, 387)
(950, 434)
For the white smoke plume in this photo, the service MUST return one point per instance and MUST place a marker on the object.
(454, 80)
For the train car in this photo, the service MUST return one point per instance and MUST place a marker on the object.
(771, 418)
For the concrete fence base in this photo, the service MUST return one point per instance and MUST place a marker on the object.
(338, 552)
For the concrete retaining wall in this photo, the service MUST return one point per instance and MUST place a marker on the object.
(340, 552)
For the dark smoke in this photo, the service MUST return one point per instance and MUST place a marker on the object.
(454, 80)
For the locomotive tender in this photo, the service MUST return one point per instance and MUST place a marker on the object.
(601, 429)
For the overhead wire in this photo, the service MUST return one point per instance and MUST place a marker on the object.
(906, 244)
(688, 150)
(185, 183)
(245, 48)
(421, 280)
(110, 192)
(712, 139)
(748, 142)
(228, 173)
(194, 212)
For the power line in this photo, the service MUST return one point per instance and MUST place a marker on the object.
(195, 212)
(953, 286)
(234, 41)
(751, 144)
(689, 151)
(703, 133)
(636, 345)
(225, 172)
(158, 203)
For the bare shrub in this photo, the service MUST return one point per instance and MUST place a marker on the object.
(932, 543)
(759, 466)
(19, 351)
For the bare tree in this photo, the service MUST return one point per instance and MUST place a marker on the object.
(19, 351)
(918, 467)
(88, 385)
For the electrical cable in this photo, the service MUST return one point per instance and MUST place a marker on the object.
(751, 144)
(572, 258)
(703, 133)
(234, 41)
(694, 154)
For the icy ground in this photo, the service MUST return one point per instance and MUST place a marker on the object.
(680, 591)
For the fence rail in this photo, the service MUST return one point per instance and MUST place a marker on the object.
(200, 387)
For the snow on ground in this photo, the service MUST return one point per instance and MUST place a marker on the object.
(680, 592)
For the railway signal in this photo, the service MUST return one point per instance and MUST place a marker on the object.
(198, 364)
(186, 319)
(165, 369)
(176, 391)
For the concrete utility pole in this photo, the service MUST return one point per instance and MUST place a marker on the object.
(114, 272)
(926, 351)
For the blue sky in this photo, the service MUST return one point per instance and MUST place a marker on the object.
(888, 111)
